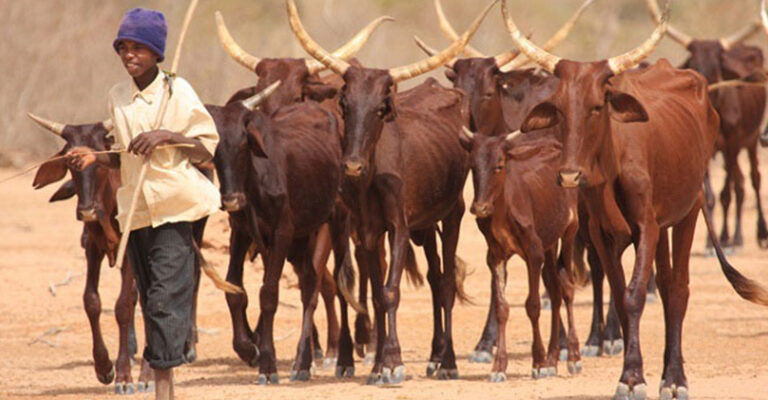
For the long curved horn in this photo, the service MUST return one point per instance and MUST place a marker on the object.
(352, 46)
(451, 34)
(431, 51)
(541, 57)
(741, 35)
(233, 49)
(505, 58)
(631, 58)
(56, 127)
(764, 16)
(513, 135)
(108, 124)
(314, 49)
(468, 133)
(409, 71)
(252, 102)
(674, 33)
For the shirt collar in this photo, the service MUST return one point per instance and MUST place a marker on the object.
(150, 91)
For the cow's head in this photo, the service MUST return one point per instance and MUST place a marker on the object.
(366, 98)
(236, 147)
(89, 184)
(298, 76)
(488, 158)
(585, 104)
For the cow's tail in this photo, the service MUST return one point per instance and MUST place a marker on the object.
(214, 276)
(745, 287)
(345, 282)
(412, 268)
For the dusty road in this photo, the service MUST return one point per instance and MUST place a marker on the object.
(725, 338)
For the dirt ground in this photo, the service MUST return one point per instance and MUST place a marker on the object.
(725, 338)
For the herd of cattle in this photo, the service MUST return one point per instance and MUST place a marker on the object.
(566, 157)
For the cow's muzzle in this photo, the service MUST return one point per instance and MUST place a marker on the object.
(570, 179)
(481, 210)
(354, 168)
(87, 214)
(233, 202)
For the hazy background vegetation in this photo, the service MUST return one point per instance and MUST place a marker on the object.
(56, 56)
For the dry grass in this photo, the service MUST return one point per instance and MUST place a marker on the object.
(56, 58)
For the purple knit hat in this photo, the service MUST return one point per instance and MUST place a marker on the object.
(146, 27)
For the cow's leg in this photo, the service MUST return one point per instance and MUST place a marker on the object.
(237, 303)
(124, 312)
(433, 278)
(533, 263)
(565, 276)
(762, 230)
(309, 283)
(451, 227)
(498, 267)
(363, 336)
(549, 275)
(372, 260)
(593, 345)
(613, 342)
(190, 348)
(641, 210)
(725, 197)
(105, 371)
(268, 297)
(345, 364)
(328, 291)
(674, 382)
(483, 352)
(738, 188)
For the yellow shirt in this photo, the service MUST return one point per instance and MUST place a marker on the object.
(173, 190)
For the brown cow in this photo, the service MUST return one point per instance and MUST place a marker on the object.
(498, 103)
(741, 112)
(521, 210)
(404, 172)
(638, 177)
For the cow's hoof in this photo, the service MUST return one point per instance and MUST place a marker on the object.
(673, 392)
(543, 372)
(563, 355)
(329, 362)
(145, 387)
(374, 378)
(272, 379)
(447, 374)
(651, 298)
(497, 377)
(590, 351)
(123, 388)
(481, 357)
(393, 376)
(623, 392)
(575, 367)
(318, 354)
(345, 372)
(546, 303)
(369, 358)
(108, 377)
(614, 347)
(360, 350)
(300, 376)
(432, 366)
(191, 355)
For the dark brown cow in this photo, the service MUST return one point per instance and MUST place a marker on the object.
(404, 172)
(95, 188)
(638, 177)
(292, 186)
(299, 83)
(741, 112)
(498, 103)
(521, 210)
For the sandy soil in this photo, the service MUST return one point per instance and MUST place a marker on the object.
(725, 338)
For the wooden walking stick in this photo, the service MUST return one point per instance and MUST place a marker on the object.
(158, 120)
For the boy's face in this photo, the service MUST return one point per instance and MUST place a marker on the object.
(137, 58)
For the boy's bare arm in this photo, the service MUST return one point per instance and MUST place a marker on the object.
(81, 157)
(146, 142)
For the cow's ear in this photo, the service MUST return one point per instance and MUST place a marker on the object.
(319, 91)
(625, 107)
(66, 191)
(50, 172)
(255, 140)
(544, 115)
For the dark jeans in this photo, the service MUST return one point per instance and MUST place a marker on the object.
(164, 266)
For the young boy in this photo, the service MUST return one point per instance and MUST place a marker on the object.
(174, 193)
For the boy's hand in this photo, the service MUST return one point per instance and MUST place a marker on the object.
(79, 158)
(145, 143)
